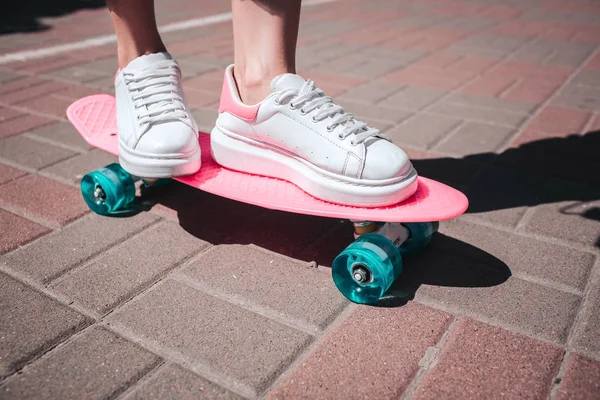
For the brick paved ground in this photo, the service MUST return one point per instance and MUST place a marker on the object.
(201, 295)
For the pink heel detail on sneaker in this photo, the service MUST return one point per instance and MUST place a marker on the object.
(234, 105)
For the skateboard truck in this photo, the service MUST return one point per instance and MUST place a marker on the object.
(366, 269)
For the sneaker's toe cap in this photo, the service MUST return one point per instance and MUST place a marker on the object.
(384, 160)
(169, 139)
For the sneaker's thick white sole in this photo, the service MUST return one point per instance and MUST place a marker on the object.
(154, 166)
(243, 154)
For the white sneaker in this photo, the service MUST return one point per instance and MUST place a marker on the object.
(158, 137)
(299, 135)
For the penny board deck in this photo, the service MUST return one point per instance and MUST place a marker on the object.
(95, 119)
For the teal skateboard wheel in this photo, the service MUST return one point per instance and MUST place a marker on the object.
(366, 269)
(108, 190)
(420, 236)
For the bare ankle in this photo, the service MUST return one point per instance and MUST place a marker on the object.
(128, 54)
(254, 84)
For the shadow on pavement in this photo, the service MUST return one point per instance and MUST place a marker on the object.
(545, 171)
(24, 15)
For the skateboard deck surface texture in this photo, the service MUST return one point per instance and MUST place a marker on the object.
(95, 119)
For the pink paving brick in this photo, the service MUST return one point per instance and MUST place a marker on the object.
(19, 84)
(22, 124)
(44, 199)
(488, 86)
(8, 113)
(554, 121)
(374, 353)
(73, 92)
(17, 231)
(8, 174)
(52, 105)
(32, 92)
(581, 381)
(532, 91)
(480, 361)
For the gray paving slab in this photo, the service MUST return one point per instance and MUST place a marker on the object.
(73, 245)
(30, 324)
(95, 364)
(223, 338)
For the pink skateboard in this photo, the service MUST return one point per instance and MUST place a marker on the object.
(363, 272)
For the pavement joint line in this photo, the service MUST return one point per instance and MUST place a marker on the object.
(547, 102)
(593, 276)
(248, 305)
(199, 367)
(30, 217)
(66, 146)
(112, 38)
(547, 283)
(29, 111)
(108, 251)
(459, 312)
(47, 352)
(557, 379)
(429, 360)
(127, 393)
(546, 239)
(308, 350)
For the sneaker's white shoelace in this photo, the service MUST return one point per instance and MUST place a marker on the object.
(156, 94)
(311, 98)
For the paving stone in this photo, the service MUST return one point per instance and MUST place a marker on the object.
(8, 113)
(587, 77)
(21, 124)
(581, 380)
(586, 332)
(97, 363)
(205, 118)
(17, 231)
(559, 121)
(78, 74)
(24, 82)
(414, 98)
(121, 273)
(76, 167)
(532, 257)
(475, 137)
(173, 382)
(8, 174)
(374, 68)
(423, 130)
(487, 44)
(519, 107)
(73, 245)
(293, 290)
(372, 92)
(7, 76)
(32, 153)
(375, 351)
(570, 213)
(554, 52)
(31, 323)
(482, 361)
(64, 133)
(539, 310)
(33, 92)
(375, 112)
(53, 105)
(493, 116)
(43, 198)
(224, 338)
(456, 172)
(575, 96)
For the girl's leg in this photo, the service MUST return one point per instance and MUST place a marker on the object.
(265, 36)
(135, 26)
